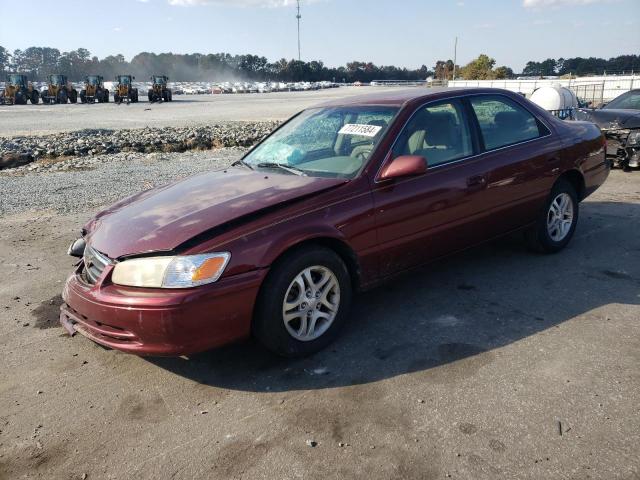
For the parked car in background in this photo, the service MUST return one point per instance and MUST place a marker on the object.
(338, 199)
(620, 121)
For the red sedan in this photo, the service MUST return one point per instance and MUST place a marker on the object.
(339, 198)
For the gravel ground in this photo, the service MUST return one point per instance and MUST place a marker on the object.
(79, 183)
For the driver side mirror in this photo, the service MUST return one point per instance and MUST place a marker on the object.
(404, 166)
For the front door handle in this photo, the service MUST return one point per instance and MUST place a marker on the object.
(476, 181)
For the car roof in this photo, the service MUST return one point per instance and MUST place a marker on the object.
(403, 96)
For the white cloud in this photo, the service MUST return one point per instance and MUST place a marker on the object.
(556, 3)
(117, 29)
(234, 3)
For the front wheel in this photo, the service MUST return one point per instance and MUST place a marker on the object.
(35, 98)
(557, 222)
(303, 303)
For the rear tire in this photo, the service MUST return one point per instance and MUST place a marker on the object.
(318, 314)
(35, 98)
(105, 98)
(557, 222)
(62, 96)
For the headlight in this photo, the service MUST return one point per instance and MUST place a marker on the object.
(171, 272)
(633, 138)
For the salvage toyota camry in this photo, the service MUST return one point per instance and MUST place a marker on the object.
(338, 199)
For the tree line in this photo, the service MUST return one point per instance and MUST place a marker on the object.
(583, 66)
(39, 62)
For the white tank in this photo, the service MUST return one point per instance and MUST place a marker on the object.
(554, 97)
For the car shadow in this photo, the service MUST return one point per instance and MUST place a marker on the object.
(464, 306)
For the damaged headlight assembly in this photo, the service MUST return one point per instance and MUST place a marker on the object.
(171, 272)
(633, 140)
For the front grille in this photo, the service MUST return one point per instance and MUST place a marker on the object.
(94, 264)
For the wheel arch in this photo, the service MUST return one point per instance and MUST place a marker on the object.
(339, 246)
(575, 178)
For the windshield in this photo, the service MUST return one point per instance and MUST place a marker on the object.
(92, 80)
(158, 80)
(15, 79)
(329, 142)
(56, 79)
(124, 80)
(626, 101)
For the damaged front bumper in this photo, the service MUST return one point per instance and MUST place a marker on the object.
(623, 146)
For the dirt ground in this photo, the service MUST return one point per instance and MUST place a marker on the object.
(496, 363)
(184, 111)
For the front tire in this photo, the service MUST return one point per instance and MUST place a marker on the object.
(303, 303)
(557, 222)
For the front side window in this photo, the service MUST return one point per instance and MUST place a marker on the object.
(503, 122)
(438, 132)
(626, 101)
(330, 142)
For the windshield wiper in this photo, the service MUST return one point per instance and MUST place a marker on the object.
(290, 169)
(242, 162)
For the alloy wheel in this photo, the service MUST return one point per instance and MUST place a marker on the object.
(311, 303)
(560, 217)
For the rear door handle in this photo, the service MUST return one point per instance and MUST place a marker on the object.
(476, 181)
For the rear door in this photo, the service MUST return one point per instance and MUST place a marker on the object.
(423, 217)
(521, 156)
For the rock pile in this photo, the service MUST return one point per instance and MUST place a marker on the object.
(17, 151)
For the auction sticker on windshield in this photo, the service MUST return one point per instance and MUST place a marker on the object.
(358, 129)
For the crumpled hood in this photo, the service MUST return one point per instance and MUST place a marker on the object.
(611, 118)
(162, 219)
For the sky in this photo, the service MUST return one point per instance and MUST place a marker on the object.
(406, 33)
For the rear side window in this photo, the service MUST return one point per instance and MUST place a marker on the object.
(503, 122)
(438, 132)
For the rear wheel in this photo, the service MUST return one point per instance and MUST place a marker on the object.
(35, 97)
(116, 98)
(74, 96)
(303, 303)
(557, 222)
(105, 98)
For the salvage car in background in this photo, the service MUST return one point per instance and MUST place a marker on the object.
(620, 122)
(338, 199)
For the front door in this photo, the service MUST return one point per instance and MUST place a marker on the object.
(424, 217)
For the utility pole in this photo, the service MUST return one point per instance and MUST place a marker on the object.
(455, 57)
(298, 16)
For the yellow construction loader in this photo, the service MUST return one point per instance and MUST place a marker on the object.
(18, 90)
(59, 90)
(94, 90)
(124, 90)
(159, 91)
